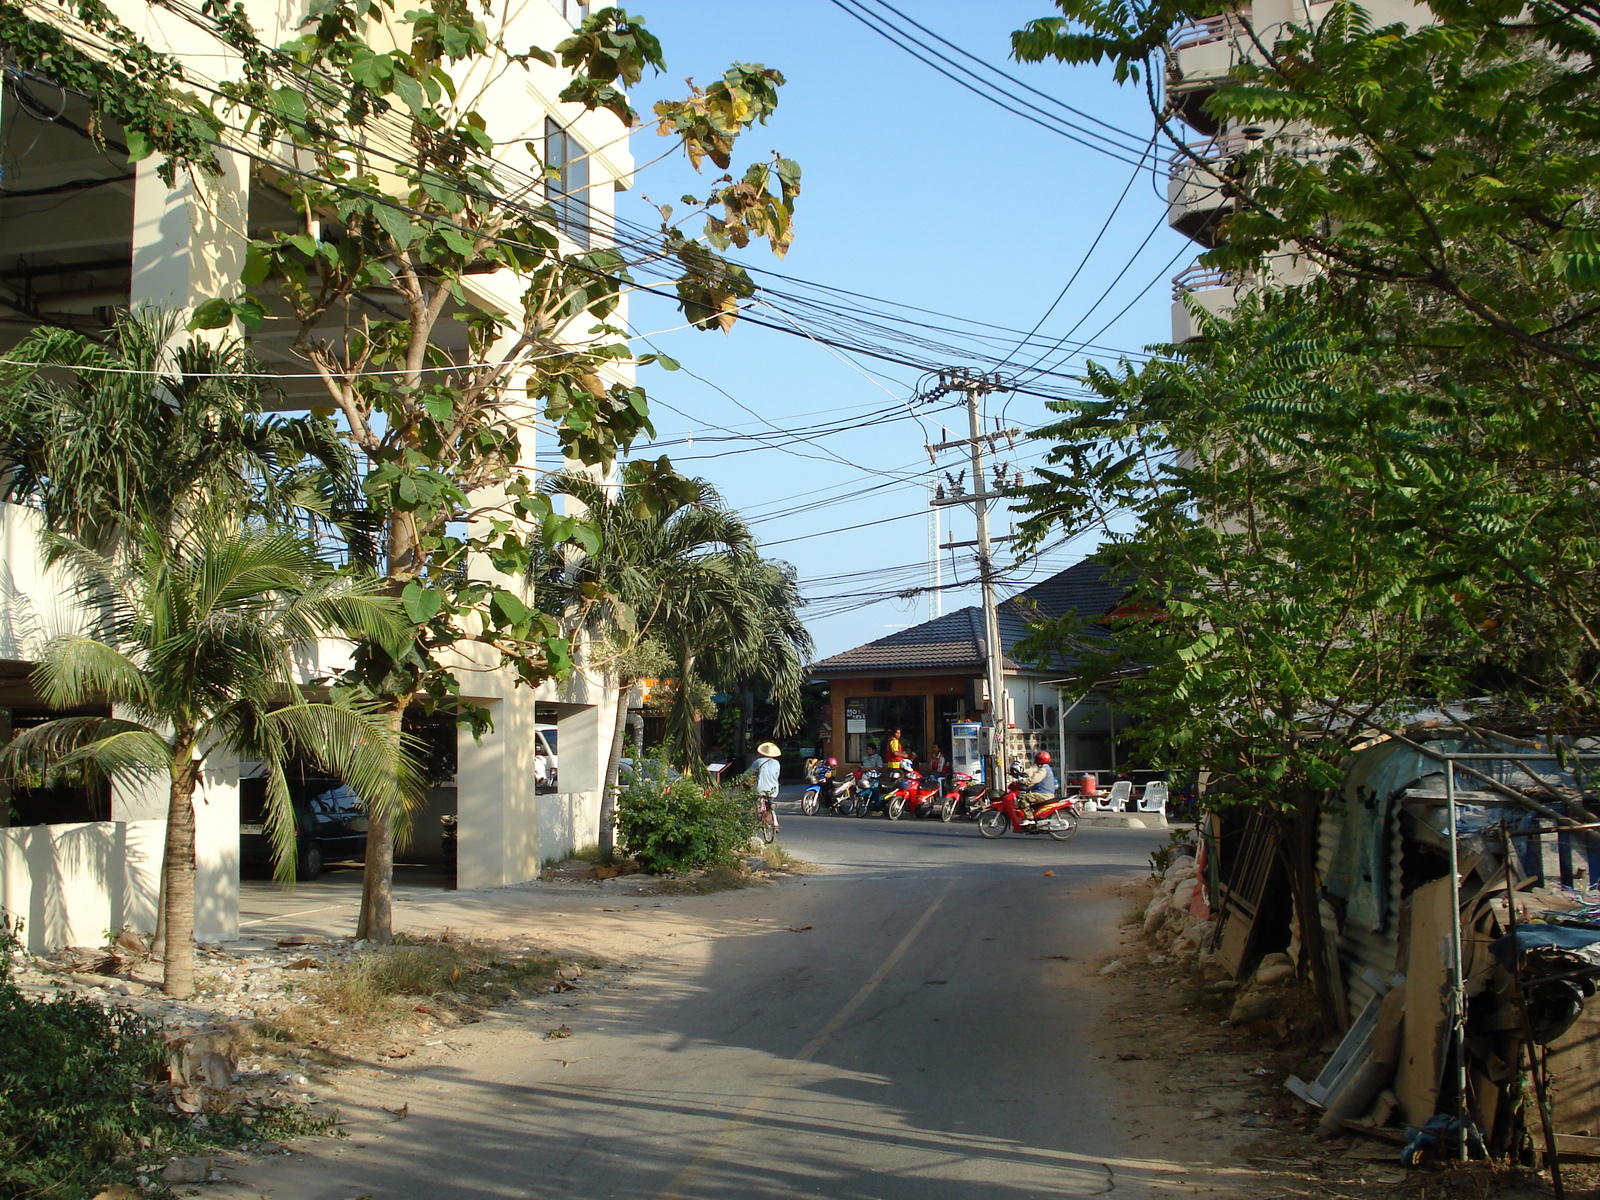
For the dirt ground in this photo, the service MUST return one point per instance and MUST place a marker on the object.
(1218, 1083)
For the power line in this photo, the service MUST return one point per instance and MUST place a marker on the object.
(1010, 103)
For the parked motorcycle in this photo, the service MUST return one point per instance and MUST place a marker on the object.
(846, 795)
(965, 797)
(1058, 818)
(871, 790)
(821, 792)
(919, 795)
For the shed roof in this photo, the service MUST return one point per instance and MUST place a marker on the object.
(955, 640)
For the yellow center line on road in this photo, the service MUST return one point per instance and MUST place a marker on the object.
(686, 1178)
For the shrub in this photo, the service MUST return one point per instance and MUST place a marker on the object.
(679, 824)
(72, 1078)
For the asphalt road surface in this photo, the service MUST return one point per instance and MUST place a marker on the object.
(915, 1022)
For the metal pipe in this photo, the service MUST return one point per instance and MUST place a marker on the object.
(1458, 987)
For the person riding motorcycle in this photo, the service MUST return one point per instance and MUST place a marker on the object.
(1039, 784)
(871, 761)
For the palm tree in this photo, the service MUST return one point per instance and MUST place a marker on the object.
(146, 431)
(194, 641)
(675, 573)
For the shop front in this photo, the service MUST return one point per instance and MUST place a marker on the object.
(867, 711)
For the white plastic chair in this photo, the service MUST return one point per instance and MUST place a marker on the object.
(1154, 799)
(1121, 793)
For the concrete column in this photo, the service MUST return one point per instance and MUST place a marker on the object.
(189, 240)
(480, 805)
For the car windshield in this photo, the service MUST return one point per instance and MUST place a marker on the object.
(335, 798)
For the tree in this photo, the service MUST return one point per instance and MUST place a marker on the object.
(432, 390)
(1278, 605)
(1439, 181)
(194, 642)
(679, 586)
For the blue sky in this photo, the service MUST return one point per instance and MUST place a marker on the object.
(918, 192)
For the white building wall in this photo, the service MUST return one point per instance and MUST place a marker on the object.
(188, 244)
(72, 884)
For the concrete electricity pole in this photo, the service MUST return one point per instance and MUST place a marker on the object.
(975, 386)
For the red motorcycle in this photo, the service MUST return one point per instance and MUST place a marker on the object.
(917, 794)
(965, 797)
(1058, 818)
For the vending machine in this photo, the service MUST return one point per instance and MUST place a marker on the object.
(966, 749)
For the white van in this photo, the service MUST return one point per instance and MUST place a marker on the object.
(544, 758)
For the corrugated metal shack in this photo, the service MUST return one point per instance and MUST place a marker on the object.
(1445, 1020)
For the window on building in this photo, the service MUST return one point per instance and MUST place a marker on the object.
(573, 11)
(880, 714)
(567, 181)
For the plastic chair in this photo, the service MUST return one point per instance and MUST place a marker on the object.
(1154, 799)
(1121, 793)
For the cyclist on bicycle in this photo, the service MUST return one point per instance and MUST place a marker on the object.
(764, 778)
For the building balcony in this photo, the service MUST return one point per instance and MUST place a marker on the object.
(1215, 290)
(1198, 188)
(1199, 57)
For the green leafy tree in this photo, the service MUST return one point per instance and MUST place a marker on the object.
(193, 643)
(1279, 606)
(676, 586)
(1434, 183)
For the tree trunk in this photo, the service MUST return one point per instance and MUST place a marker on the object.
(608, 796)
(376, 922)
(1300, 844)
(177, 956)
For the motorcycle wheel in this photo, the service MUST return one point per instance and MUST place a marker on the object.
(896, 807)
(947, 811)
(993, 823)
(1062, 824)
(809, 799)
(864, 806)
(844, 805)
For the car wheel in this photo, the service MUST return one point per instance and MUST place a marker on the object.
(308, 865)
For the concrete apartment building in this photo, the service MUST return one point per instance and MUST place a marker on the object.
(1199, 57)
(85, 233)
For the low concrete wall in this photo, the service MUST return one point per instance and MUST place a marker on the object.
(567, 820)
(71, 884)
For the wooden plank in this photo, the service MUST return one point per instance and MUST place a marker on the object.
(1573, 1066)
(1427, 988)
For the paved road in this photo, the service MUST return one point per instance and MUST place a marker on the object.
(913, 1023)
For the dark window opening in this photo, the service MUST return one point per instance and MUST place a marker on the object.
(567, 181)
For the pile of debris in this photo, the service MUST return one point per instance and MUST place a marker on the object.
(1179, 920)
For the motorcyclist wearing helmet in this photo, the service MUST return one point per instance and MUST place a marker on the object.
(1039, 784)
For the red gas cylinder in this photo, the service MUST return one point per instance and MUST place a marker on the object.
(1090, 784)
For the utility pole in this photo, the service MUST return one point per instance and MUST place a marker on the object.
(975, 386)
(935, 563)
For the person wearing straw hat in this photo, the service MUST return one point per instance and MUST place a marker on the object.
(764, 774)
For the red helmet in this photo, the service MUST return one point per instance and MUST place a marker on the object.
(833, 762)
(1042, 758)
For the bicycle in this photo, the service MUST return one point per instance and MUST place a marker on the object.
(769, 819)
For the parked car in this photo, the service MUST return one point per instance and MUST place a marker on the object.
(332, 822)
(544, 758)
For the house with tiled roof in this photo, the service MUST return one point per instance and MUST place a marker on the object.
(923, 678)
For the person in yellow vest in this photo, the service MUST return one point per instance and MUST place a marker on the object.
(894, 752)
